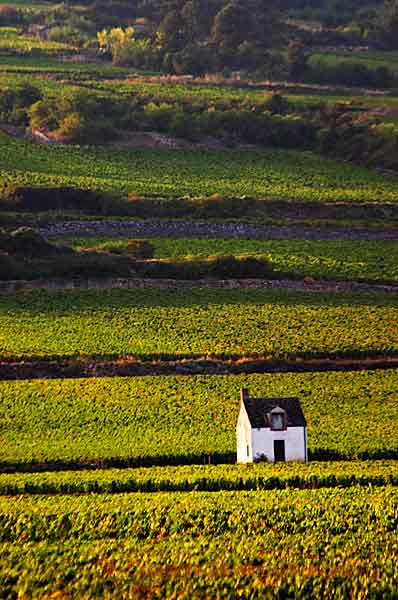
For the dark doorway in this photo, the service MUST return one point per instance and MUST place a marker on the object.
(279, 450)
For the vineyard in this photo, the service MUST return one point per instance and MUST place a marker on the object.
(118, 407)
(153, 323)
(269, 173)
(172, 420)
(307, 544)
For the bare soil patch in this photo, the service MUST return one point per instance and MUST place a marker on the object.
(34, 368)
(147, 139)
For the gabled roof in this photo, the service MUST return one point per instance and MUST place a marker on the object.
(258, 408)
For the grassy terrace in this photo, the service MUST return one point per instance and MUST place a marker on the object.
(156, 323)
(331, 259)
(372, 60)
(232, 93)
(12, 39)
(150, 420)
(129, 82)
(261, 173)
(27, 4)
(17, 69)
(26, 67)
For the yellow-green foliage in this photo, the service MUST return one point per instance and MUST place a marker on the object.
(179, 322)
(312, 544)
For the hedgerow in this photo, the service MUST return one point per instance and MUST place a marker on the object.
(261, 476)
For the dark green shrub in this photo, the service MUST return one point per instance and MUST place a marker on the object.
(25, 242)
(9, 15)
(140, 249)
(219, 206)
(15, 103)
(30, 243)
(78, 115)
(88, 264)
(232, 267)
(67, 198)
(220, 267)
(276, 104)
(11, 268)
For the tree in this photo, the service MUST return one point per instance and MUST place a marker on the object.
(194, 59)
(43, 115)
(72, 126)
(249, 55)
(297, 59)
(198, 18)
(114, 41)
(79, 115)
(273, 66)
(232, 26)
(276, 104)
(171, 33)
(390, 23)
(266, 22)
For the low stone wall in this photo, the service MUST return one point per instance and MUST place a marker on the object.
(202, 229)
(308, 284)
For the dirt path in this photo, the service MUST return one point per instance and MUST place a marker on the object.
(201, 229)
(32, 368)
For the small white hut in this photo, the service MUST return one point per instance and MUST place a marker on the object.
(270, 429)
